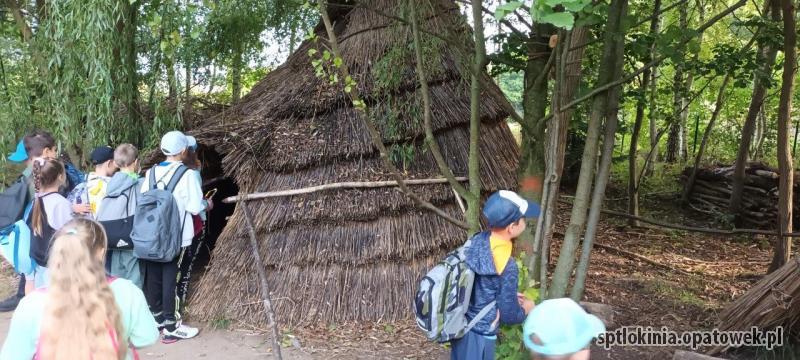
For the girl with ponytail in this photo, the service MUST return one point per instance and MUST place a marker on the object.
(83, 314)
(50, 212)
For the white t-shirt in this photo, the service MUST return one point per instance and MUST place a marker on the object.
(188, 194)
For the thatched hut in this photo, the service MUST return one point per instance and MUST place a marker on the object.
(349, 254)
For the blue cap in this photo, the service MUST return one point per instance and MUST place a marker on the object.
(19, 155)
(191, 142)
(561, 327)
(506, 207)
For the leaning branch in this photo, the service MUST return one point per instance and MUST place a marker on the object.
(375, 135)
(433, 145)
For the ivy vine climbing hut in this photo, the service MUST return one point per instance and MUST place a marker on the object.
(350, 254)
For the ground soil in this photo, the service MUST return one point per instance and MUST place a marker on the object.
(721, 268)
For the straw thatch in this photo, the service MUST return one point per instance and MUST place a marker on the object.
(349, 254)
(771, 302)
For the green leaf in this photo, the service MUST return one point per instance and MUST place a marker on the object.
(337, 62)
(576, 5)
(311, 52)
(588, 20)
(561, 19)
(506, 9)
(326, 55)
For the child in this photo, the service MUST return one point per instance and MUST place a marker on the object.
(35, 145)
(160, 278)
(90, 193)
(496, 275)
(560, 329)
(120, 203)
(83, 314)
(49, 213)
(190, 253)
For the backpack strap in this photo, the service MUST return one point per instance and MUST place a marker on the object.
(152, 176)
(173, 181)
(481, 314)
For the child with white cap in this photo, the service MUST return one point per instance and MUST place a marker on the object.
(160, 279)
(559, 329)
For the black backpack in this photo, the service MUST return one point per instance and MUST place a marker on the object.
(14, 199)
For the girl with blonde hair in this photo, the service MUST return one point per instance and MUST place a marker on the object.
(83, 314)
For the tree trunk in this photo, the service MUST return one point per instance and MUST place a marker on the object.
(766, 57)
(473, 210)
(534, 104)
(19, 18)
(566, 258)
(676, 127)
(684, 153)
(758, 137)
(687, 191)
(172, 81)
(236, 74)
(783, 248)
(568, 74)
(653, 118)
(601, 180)
(130, 64)
(633, 153)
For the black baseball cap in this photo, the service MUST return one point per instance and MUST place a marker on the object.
(101, 154)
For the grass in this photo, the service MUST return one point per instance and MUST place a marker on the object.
(221, 323)
(684, 294)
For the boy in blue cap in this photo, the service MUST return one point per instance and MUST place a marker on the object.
(496, 275)
(559, 329)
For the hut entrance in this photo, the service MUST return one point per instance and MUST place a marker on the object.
(214, 178)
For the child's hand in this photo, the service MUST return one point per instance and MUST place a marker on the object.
(81, 208)
(526, 304)
(210, 204)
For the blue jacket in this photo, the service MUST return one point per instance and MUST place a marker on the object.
(490, 286)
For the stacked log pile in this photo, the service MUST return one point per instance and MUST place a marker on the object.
(713, 187)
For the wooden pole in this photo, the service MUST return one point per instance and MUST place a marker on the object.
(350, 185)
(262, 275)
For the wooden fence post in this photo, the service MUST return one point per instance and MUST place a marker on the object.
(262, 275)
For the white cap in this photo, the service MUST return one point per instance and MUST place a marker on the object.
(173, 143)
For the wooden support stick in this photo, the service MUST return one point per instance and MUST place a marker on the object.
(262, 275)
(349, 185)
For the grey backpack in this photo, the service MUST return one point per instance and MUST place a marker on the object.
(443, 298)
(157, 224)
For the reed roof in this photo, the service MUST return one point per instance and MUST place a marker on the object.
(349, 254)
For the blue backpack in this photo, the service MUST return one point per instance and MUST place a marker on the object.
(15, 244)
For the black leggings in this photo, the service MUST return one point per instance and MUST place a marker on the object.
(185, 268)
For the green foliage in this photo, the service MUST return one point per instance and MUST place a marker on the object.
(77, 81)
(509, 344)
(402, 154)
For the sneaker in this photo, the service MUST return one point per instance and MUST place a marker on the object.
(181, 332)
(10, 303)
